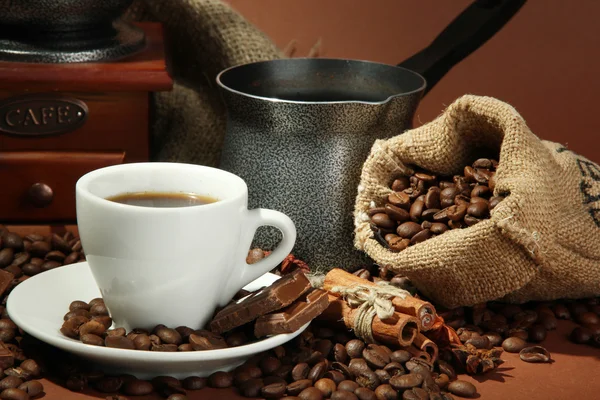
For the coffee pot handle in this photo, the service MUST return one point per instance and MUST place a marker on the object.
(249, 272)
(465, 34)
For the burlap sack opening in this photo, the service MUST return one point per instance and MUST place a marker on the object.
(540, 243)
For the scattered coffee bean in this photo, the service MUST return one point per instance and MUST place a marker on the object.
(364, 393)
(355, 347)
(535, 354)
(137, 387)
(462, 388)
(14, 394)
(348, 386)
(407, 381)
(194, 383)
(119, 342)
(220, 379)
(580, 335)
(252, 387)
(341, 395)
(326, 386)
(514, 344)
(537, 333)
(32, 388)
(273, 391)
(311, 393)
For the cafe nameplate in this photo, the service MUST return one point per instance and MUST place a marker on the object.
(40, 115)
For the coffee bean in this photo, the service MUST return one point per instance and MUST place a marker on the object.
(6, 257)
(205, 340)
(70, 327)
(169, 336)
(119, 342)
(383, 221)
(32, 388)
(447, 196)
(342, 395)
(580, 335)
(354, 348)
(421, 236)
(365, 394)
(375, 356)
(31, 269)
(386, 392)
(399, 199)
(367, 378)
(456, 213)
(549, 322)
(394, 368)
(587, 317)
(339, 353)
(480, 342)
(535, 354)
(446, 369)
(10, 382)
(20, 259)
(577, 308)
(90, 338)
(595, 341)
(317, 371)
(252, 387)
(40, 248)
(48, 265)
(300, 371)
(416, 209)
(76, 382)
(513, 344)
(349, 386)
(109, 384)
(396, 243)
(442, 380)
(104, 320)
(326, 386)
(537, 333)
(194, 383)
(395, 213)
(177, 396)
(235, 339)
(14, 394)
(400, 356)
(273, 391)
(142, 342)
(220, 379)
(494, 338)
(324, 346)
(137, 387)
(295, 388)
(408, 229)
(164, 347)
(12, 240)
(93, 327)
(99, 309)
(593, 328)
(519, 333)
(407, 381)
(362, 273)
(415, 394)
(269, 364)
(311, 393)
(72, 258)
(400, 184)
(185, 332)
(462, 388)
(185, 347)
(438, 228)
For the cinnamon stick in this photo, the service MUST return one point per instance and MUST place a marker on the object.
(418, 353)
(427, 345)
(400, 329)
(423, 310)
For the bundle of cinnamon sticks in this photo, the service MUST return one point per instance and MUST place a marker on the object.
(411, 316)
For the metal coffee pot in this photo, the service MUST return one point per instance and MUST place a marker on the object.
(299, 130)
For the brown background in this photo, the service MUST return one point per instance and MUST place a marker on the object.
(544, 62)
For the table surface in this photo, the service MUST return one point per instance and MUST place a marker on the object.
(572, 375)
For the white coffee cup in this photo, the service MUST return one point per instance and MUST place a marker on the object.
(172, 266)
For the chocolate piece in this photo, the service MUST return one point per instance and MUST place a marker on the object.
(293, 317)
(280, 294)
(5, 280)
(7, 358)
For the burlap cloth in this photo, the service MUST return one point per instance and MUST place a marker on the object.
(202, 37)
(540, 243)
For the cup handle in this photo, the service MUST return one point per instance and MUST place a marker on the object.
(255, 219)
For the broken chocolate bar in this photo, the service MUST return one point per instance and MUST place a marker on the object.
(280, 294)
(293, 317)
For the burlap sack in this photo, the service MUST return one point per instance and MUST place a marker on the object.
(541, 242)
(203, 37)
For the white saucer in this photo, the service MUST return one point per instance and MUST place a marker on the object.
(38, 305)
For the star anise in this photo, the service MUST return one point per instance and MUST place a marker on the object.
(476, 361)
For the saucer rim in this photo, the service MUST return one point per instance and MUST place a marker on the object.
(75, 346)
